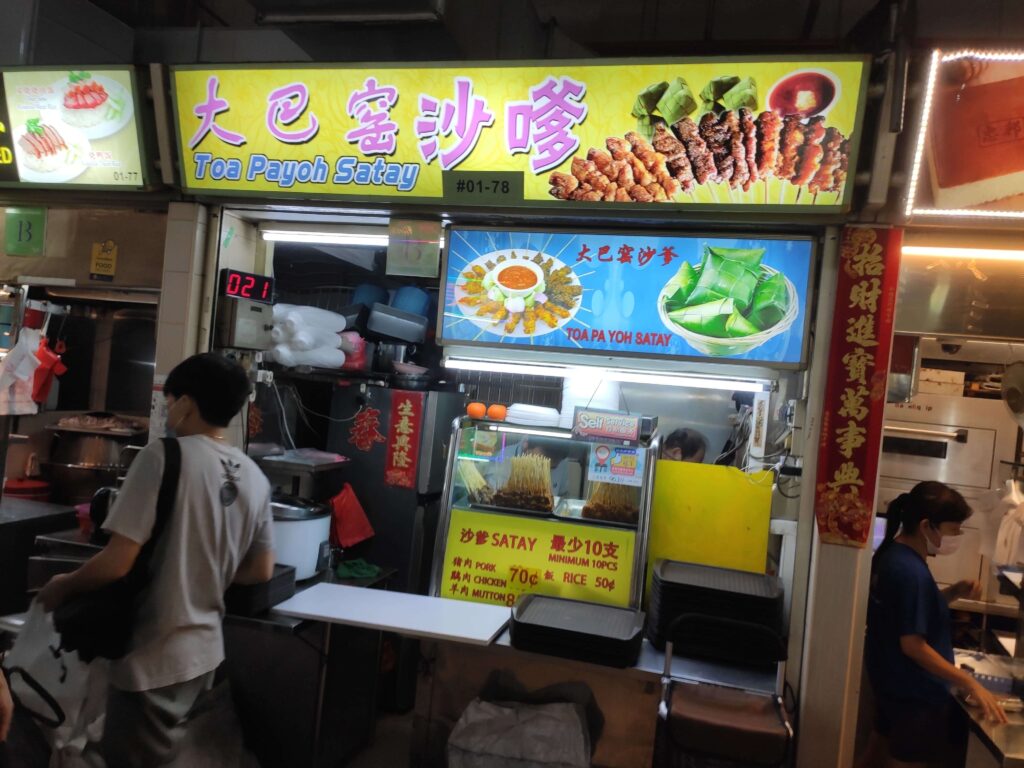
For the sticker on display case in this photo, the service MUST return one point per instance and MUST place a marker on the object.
(598, 424)
(72, 127)
(404, 438)
(726, 299)
(747, 133)
(103, 261)
(495, 558)
(616, 464)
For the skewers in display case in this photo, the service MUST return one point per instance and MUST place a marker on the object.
(528, 485)
(613, 503)
(477, 488)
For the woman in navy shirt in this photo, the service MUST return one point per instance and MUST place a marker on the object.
(909, 649)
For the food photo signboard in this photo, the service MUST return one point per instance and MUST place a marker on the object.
(747, 133)
(73, 127)
(724, 299)
(969, 158)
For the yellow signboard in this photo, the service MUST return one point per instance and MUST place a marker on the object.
(494, 558)
(103, 264)
(743, 133)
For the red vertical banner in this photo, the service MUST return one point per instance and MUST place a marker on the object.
(404, 438)
(851, 428)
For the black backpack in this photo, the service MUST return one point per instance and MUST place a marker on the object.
(100, 623)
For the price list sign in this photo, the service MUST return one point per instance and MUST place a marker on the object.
(494, 559)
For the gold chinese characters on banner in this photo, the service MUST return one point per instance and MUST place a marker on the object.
(855, 395)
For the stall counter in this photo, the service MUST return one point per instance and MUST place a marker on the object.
(994, 746)
(438, 618)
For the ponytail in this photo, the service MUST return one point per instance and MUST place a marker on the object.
(894, 517)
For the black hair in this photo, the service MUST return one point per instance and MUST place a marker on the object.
(218, 386)
(930, 500)
(690, 442)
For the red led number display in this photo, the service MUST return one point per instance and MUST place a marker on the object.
(246, 286)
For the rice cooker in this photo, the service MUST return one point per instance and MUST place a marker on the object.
(302, 531)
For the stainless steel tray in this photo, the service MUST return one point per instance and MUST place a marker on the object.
(572, 509)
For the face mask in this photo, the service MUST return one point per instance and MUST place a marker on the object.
(170, 431)
(948, 545)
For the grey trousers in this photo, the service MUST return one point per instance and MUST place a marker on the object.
(144, 729)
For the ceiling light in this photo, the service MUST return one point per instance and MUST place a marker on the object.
(623, 375)
(324, 238)
(968, 53)
(967, 212)
(991, 254)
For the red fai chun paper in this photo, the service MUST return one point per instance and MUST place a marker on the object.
(851, 430)
(365, 431)
(404, 439)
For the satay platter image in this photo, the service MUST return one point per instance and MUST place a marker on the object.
(729, 141)
(518, 293)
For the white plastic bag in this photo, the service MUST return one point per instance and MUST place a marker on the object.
(312, 316)
(496, 735)
(314, 338)
(66, 696)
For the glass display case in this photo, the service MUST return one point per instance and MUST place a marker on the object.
(536, 510)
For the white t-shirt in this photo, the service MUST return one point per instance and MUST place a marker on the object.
(222, 513)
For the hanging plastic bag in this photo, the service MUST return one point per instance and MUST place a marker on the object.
(65, 696)
(349, 522)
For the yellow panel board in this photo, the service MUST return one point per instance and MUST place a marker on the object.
(495, 558)
(710, 515)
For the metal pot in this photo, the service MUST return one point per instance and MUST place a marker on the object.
(74, 484)
(84, 449)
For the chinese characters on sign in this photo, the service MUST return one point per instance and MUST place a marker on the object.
(496, 558)
(404, 130)
(855, 395)
(404, 439)
(365, 432)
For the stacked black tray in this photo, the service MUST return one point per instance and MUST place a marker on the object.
(574, 629)
(731, 616)
(254, 599)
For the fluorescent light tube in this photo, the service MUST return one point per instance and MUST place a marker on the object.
(324, 238)
(493, 366)
(612, 374)
(528, 431)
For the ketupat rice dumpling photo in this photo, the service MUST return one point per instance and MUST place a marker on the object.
(729, 295)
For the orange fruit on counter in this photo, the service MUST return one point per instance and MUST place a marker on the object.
(476, 410)
(497, 412)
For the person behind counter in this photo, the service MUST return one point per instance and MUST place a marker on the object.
(685, 445)
(909, 651)
(220, 532)
(6, 708)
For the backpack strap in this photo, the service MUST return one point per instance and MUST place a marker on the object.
(166, 497)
